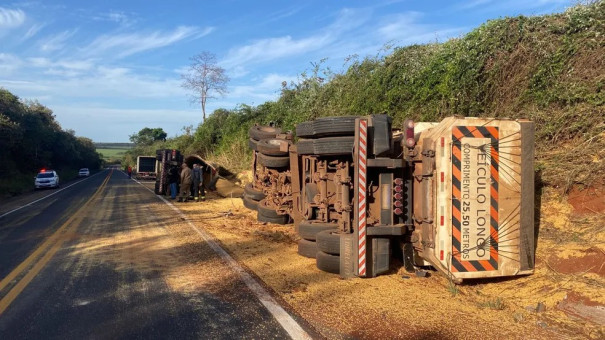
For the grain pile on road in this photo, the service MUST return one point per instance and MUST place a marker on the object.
(550, 303)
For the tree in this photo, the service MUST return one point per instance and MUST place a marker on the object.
(205, 79)
(147, 136)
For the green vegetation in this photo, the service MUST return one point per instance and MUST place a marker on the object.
(549, 69)
(114, 155)
(31, 139)
(147, 136)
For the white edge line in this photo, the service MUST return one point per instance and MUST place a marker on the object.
(54, 193)
(285, 320)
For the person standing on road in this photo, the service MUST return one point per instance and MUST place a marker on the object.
(185, 183)
(173, 179)
(129, 171)
(198, 181)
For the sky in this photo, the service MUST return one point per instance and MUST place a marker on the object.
(109, 68)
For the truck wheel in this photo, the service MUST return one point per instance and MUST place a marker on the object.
(304, 129)
(273, 161)
(157, 188)
(309, 229)
(280, 219)
(327, 126)
(250, 203)
(326, 146)
(261, 132)
(307, 248)
(252, 144)
(254, 194)
(264, 210)
(328, 241)
(328, 263)
(271, 147)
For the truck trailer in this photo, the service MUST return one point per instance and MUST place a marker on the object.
(457, 196)
(147, 168)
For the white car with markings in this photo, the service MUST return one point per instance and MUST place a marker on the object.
(46, 179)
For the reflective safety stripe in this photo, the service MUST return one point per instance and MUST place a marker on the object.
(361, 180)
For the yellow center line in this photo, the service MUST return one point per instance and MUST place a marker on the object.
(54, 242)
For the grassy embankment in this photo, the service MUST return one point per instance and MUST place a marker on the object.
(549, 69)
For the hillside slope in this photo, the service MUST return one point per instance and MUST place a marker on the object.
(550, 69)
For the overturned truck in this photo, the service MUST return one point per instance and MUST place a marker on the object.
(456, 195)
(167, 158)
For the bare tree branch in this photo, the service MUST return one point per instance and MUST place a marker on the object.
(205, 79)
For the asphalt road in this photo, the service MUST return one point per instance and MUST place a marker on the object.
(70, 269)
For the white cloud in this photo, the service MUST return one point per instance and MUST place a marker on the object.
(33, 30)
(282, 14)
(55, 42)
(118, 17)
(274, 48)
(10, 18)
(9, 63)
(262, 90)
(123, 45)
(405, 29)
(474, 3)
(76, 65)
(269, 49)
(72, 80)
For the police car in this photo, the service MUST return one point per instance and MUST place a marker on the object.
(46, 179)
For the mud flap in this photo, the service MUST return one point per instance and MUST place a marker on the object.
(380, 252)
(348, 256)
(408, 256)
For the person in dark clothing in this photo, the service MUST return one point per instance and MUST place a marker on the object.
(198, 183)
(173, 180)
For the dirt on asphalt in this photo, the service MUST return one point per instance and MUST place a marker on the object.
(563, 299)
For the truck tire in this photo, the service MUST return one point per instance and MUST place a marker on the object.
(326, 146)
(156, 190)
(253, 193)
(328, 263)
(264, 210)
(250, 203)
(327, 126)
(280, 219)
(328, 241)
(309, 229)
(259, 132)
(304, 129)
(307, 248)
(270, 146)
(253, 144)
(273, 161)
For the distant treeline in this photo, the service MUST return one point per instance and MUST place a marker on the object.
(545, 68)
(114, 145)
(31, 139)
